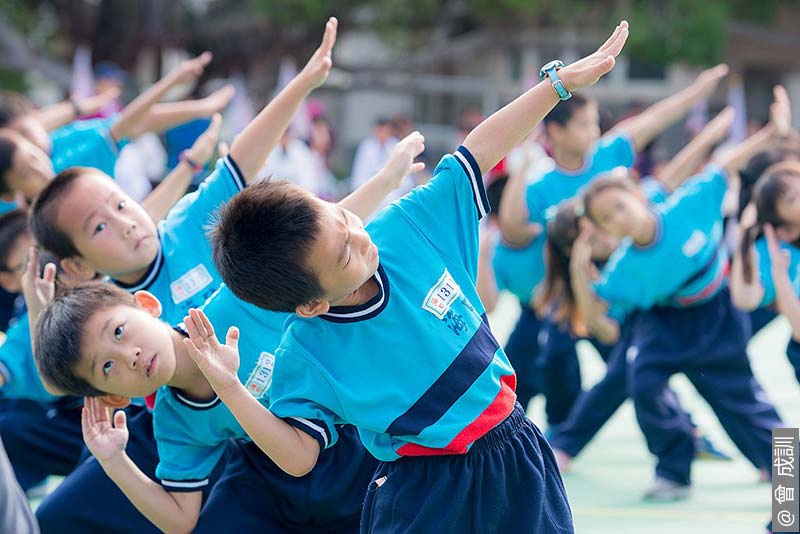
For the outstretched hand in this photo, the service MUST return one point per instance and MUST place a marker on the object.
(319, 66)
(780, 111)
(191, 69)
(401, 160)
(218, 363)
(104, 440)
(203, 147)
(778, 258)
(585, 72)
(38, 290)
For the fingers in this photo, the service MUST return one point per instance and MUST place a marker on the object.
(329, 38)
(49, 274)
(194, 352)
(417, 167)
(203, 59)
(232, 338)
(718, 72)
(616, 42)
(32, 268)
(120, 420)
(209, 328)
(223, 149)
(212, 132)
(193, 330)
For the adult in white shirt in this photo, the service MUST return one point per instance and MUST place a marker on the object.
(372, 153)
(292, 161)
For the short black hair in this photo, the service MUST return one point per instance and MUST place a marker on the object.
(9, 142)
(43, 214)
(12, 106)
(261, 243)
(13, 225)
(60, 333)
(565, 109)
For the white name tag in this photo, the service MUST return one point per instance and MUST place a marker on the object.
(261, 378)
(190, 284)
(694, 244)
(441, 296)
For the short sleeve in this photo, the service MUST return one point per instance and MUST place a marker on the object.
(303, 397)
(616, 151)
(185, 466)
(703, 194)
(536, 202)
(449, 207)
(617, 289)
(190, 218)
(765, 269)
(654, 190)
(87, 144)
(18, 367)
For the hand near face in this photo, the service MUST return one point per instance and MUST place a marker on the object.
(218, 363)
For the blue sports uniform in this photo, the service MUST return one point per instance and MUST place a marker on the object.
(542, 353)
(86, 143)
(687, 323)
(183, 275)
(417, 370)
(253, 493)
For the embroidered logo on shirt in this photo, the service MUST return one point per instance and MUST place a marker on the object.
(442, 295)
(190, 284)
(694, 244)
(261, 378)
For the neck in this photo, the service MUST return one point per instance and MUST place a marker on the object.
(187, 376)
(567, 159)
(131, 277)
(360, 296)
(646, 232)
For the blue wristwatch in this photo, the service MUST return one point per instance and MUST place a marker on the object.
(550, 70)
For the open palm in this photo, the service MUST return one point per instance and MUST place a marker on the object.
(219, 363)
(320, 64)
(103, 439)
(37, 290)
(587, 71)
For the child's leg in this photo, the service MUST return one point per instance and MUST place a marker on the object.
(558, 371)
(595, 407)
(508, 480)
(88, 501)
(522, 350)
(793, 353)
(759, 318)
(667, 429)
(41, 440)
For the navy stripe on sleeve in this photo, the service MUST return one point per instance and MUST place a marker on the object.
(473, 171)
(184, 486)
(314, 428)
(235, 172)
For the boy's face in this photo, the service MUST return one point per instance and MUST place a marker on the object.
(112, 233)
(343, 256)
(579, 133)
(31, 169)
(11, 275)
(126, 351)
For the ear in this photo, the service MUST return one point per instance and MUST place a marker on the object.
(77, 269)
(313, 309)
(114, 401)
(148, 302)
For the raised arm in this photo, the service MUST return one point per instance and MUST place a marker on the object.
(60, 114)
(591, 309)
(645, 126)
(133, 117)
(492, 139)
(253, 145)
(37, 290)
(292, 450)
(779, 126)
(746, 295)
(166, 115)
(158, 203)
(785, 297)
(369, 196)
(170, 512)
(514, 214)
(685, 162)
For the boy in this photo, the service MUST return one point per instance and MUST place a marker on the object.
(92, 226)
(26, 166)
(392, 338)
(138, 354)
(579, 155)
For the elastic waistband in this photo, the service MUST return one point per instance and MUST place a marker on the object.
(503, 431)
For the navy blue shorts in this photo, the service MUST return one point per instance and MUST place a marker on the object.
(507, 482)
(255, 495)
